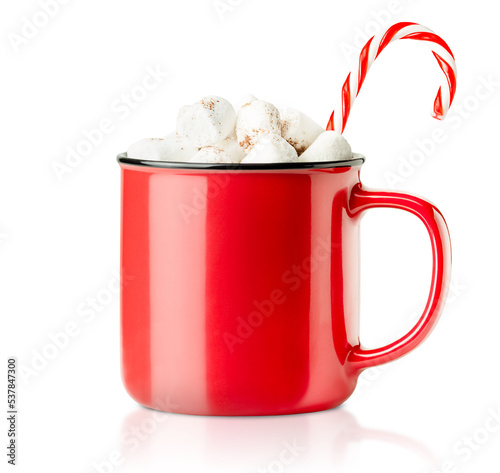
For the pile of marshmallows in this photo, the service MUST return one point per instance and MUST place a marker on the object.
(210, 131)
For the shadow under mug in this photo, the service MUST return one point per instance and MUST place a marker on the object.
(240, 284)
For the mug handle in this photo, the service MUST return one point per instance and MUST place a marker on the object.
(363, 199)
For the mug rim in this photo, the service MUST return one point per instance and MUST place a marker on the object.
(357, 160)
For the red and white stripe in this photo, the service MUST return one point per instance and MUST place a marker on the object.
(375, 46)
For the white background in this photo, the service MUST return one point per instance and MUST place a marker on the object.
(59, 240)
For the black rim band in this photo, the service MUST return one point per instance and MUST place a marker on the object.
(357, 160)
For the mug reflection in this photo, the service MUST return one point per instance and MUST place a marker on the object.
(325, 441)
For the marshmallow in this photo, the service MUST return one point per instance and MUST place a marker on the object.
(169, 148)
(247, 100)
(232, 149)
(271, 148)
(227, 151)
(255, 119)
(206, 122)
(298, 129)
(329, 146)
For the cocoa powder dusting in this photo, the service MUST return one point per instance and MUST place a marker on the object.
(284, 126)
(249, 139)
(215, 149)
(246, 142)
(209, 104)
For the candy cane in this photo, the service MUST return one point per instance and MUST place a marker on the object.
(375, 46)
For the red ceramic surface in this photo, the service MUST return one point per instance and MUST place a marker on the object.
(240, 291)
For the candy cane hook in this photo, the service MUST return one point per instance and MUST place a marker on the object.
(375, 46)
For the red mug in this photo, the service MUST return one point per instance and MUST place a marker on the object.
(242, 293)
